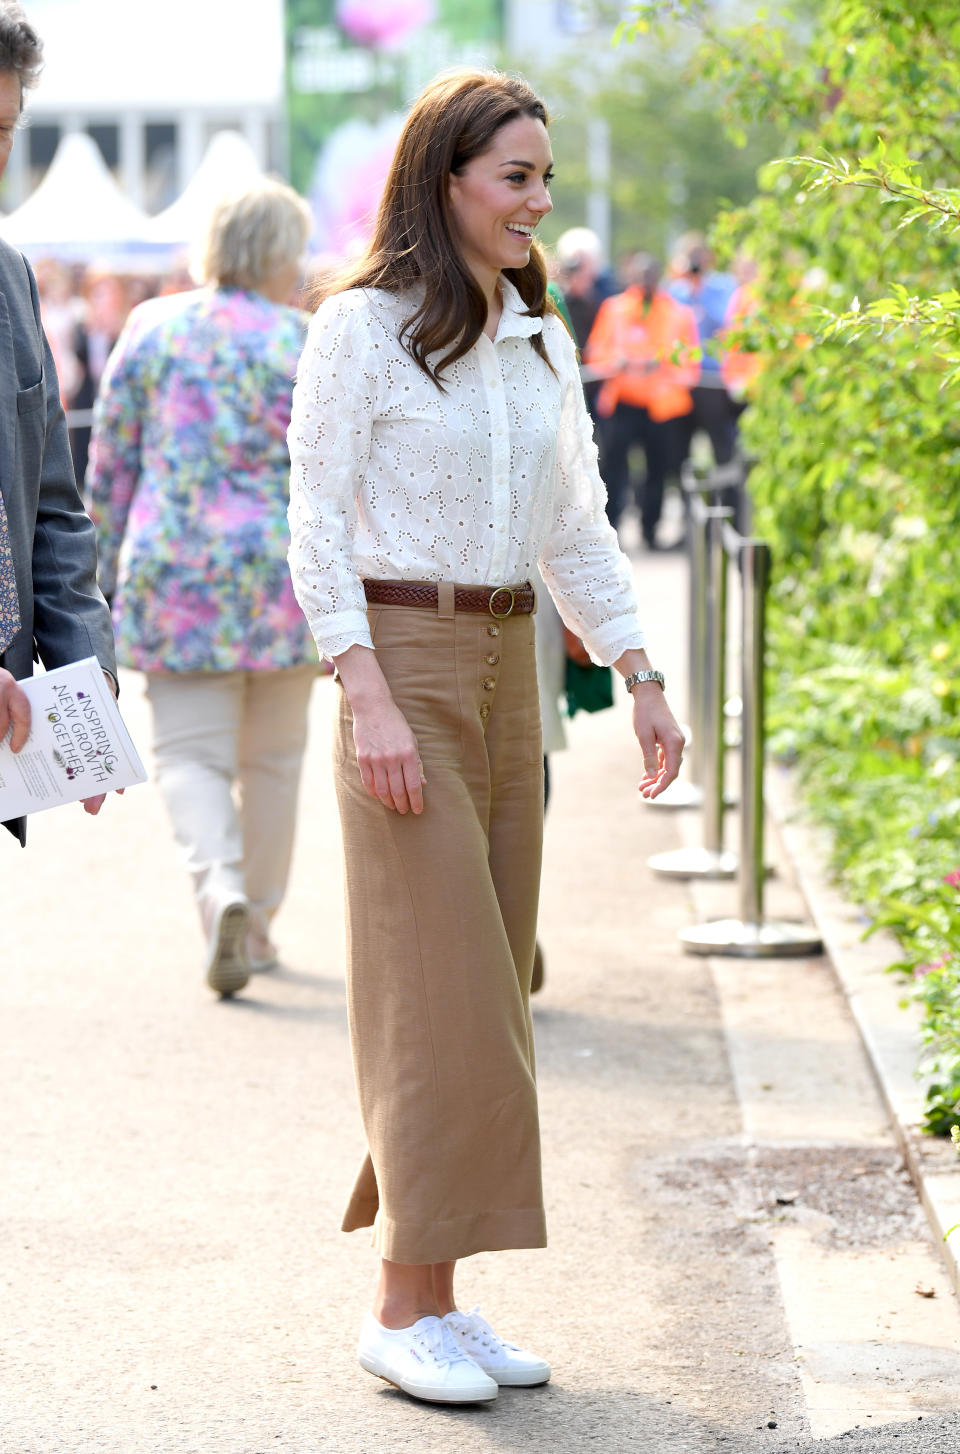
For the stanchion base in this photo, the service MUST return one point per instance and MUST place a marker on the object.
(678, 795)
(686, 795)
(695, 863)
(773, 939)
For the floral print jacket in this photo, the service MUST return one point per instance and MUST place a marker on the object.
(188, 484)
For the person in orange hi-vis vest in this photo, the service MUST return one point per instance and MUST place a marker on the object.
(644, 344)
(738, 366)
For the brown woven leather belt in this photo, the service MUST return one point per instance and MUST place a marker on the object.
(498, 601)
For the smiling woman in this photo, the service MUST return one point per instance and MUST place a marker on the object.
(441, 453)
(488, 146)
(497, 200)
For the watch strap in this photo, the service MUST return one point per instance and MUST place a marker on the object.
(644, 676)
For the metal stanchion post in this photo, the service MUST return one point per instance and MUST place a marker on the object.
(755, 575)
(709, 861)
(751, 936)
(697, 633)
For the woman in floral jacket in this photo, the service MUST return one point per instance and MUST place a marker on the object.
(188, 484)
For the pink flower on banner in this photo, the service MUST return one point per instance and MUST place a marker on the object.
(953, 879)
(347, 182)
(383, 24)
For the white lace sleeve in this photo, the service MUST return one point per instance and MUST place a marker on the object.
(329, 442)
(582, 564)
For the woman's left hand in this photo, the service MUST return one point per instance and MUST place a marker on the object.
(659, 736)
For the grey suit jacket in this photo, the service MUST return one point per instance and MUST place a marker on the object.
(62, 613)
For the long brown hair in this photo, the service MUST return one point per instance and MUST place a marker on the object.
(415, 242)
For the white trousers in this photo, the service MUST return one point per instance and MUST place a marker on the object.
(228, 750)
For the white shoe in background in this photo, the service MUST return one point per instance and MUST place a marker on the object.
(228, 968)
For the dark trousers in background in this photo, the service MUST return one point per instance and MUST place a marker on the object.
(712, 412)
(627, 427)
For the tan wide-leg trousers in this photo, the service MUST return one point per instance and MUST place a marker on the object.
(441, 928)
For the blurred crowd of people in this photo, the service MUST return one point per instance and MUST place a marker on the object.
(655, 375)
(84, 307)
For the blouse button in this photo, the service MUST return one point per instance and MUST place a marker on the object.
(493, 630)
(492, 659)
(485, 710)
(488, 684)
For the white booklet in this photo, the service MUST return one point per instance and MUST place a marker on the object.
(78, 744)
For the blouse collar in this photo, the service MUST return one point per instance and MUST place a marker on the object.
(514, 320)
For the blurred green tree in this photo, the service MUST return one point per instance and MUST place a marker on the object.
(672, 162)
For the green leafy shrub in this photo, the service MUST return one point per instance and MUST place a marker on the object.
(854, 427)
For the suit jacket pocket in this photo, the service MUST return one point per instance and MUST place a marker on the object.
(32, 398)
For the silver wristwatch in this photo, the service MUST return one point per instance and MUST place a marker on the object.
(643, 676)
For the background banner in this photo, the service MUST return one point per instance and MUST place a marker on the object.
(352, 68)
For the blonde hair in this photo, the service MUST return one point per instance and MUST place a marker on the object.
(251, 234)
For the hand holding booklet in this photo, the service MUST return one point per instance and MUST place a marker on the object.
(78, 744)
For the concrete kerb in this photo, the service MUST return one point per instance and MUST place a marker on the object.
(890, 1033)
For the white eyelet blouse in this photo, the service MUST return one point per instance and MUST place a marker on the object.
(393, 479)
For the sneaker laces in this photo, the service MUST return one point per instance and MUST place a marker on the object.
(475, 1327)
(439, 1343)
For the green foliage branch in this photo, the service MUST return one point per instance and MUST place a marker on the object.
(670, 165)
(854, 427)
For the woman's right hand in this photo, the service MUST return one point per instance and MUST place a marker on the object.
(387, 752)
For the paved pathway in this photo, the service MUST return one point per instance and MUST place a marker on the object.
(736, 1258)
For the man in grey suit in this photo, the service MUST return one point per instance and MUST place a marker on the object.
(50, 607)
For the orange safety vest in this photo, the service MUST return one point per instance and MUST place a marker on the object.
(738, 369)
(628, 330)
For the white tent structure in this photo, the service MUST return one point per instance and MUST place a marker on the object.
(78, 213)
(228, 163)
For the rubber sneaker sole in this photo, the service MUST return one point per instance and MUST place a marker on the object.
(520, 1378)
(429, 1393)
(228, 968)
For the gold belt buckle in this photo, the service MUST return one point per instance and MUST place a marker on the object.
(501, 615)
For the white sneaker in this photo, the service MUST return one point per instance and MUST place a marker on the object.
(425, 1361)
(509, 1365)
(228, 968)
